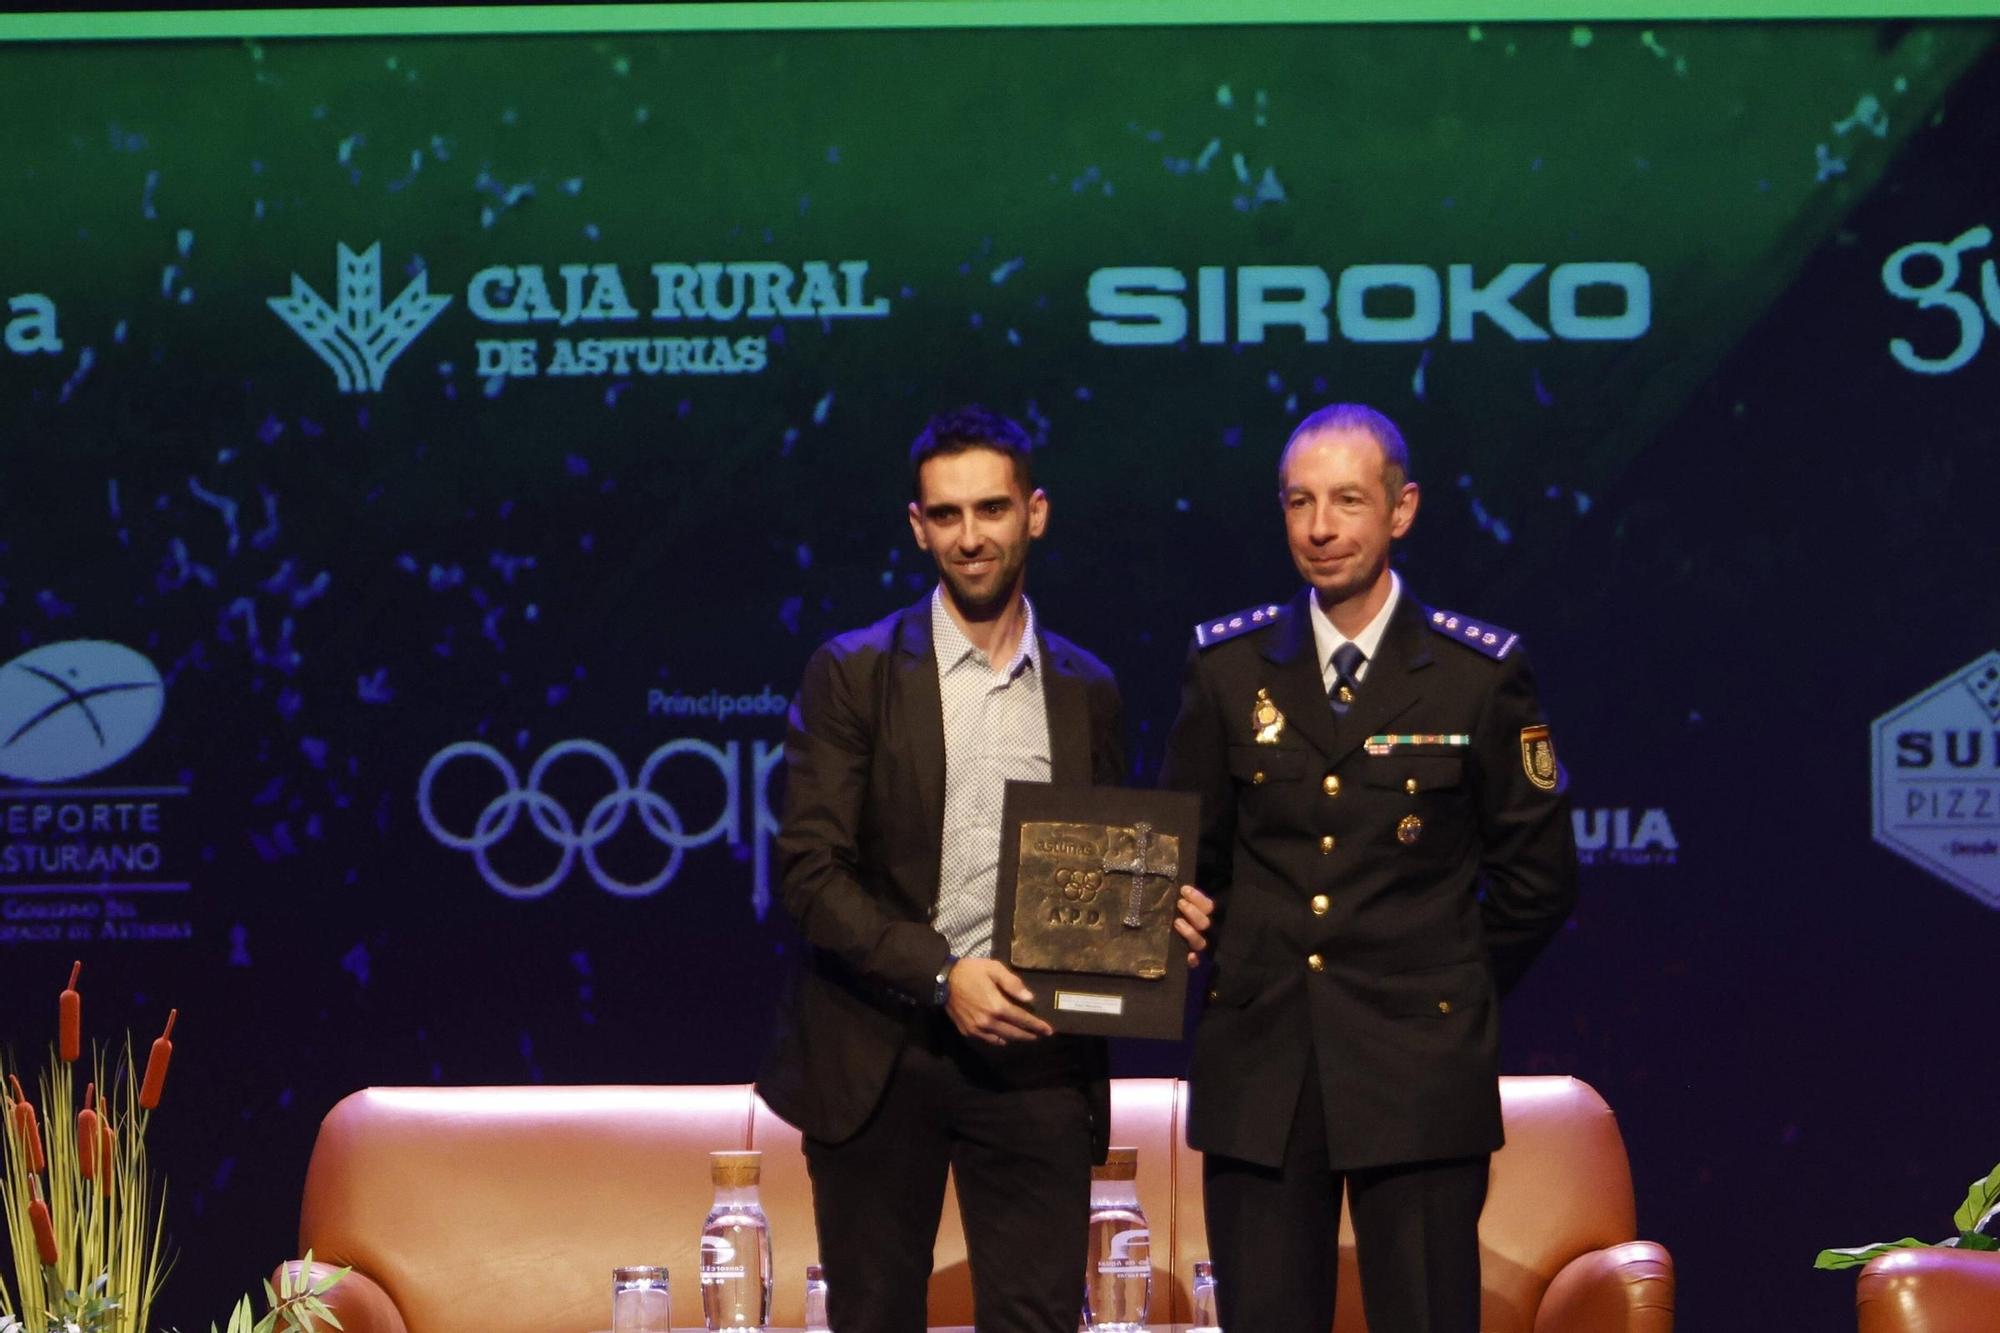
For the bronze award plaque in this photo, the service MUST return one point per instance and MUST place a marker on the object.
(1089, 888)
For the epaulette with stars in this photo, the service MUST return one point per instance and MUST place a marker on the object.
(1211, 632)
(1495, 642)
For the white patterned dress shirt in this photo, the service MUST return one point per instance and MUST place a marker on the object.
(996, 727)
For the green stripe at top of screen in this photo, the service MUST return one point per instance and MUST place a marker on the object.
(907, 14)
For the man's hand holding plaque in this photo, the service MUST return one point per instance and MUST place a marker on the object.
(984, 999)
(1197, 915)
(1092, 908)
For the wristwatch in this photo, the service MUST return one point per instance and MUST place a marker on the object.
(942, 990)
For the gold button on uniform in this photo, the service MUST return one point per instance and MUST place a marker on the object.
(1444, 1006)
(1257, 778)
(1315, 962)
(1331, 786)
(1326, 845)
(1320, 902)
(1410, 786)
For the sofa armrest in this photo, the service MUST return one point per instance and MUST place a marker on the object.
(1930, 1290)
(357, 1301)
(1626, 1288)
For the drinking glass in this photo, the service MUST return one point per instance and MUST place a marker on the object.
(640, 1302)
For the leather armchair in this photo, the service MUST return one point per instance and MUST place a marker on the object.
(1558, 1241)
(464, 1210)
(1929, 1291)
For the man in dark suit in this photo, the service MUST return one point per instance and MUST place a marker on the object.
(904, 1047)
(1388, 843)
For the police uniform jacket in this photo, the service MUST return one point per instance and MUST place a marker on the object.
(859, 848)
(1381, 876)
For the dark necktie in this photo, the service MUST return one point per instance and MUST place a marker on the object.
(1347, 660)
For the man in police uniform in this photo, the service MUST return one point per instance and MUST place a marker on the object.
(1386, 836)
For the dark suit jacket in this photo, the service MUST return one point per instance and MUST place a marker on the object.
(1372, 906)
(858, 851)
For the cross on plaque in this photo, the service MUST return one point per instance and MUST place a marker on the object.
(1145, 861)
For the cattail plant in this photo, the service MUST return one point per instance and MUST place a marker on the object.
(157, 1061)
(69, 1018)
(84, 1215)
(88, 1127)
(85, 1221)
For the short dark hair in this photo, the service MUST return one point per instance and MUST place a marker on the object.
(972, 427)
(1361, 417)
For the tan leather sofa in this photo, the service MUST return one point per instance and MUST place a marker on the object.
(1929, 1291)
(471, 1210)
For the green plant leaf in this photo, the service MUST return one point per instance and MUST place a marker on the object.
(1981, 1200)
(298, 1317)
(1973, 1240)
(1861, 1254)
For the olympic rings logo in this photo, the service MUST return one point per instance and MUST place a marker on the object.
(576, 838)
(1079, 884)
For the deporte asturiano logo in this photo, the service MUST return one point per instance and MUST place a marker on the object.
(70, 709)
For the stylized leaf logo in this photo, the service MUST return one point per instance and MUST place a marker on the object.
(358, 339)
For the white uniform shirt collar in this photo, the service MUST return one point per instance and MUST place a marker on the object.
(1328, 639)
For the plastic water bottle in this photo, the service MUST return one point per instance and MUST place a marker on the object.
(1118, 1283)
(1204, 1320)
(815, 1300)
(736, 1246)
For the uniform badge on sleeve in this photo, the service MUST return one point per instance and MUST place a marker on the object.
(1538, 757)
(1264, 716)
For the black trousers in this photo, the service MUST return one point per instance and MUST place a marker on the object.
(1013, 1126)
(1274, 1237)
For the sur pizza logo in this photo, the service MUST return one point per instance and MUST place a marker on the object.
(1937, 779)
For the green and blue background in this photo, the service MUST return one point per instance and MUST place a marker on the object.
(1731, 541)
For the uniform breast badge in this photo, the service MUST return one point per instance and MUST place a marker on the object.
(1538, 757)
(1266, 718)
(1408, 829)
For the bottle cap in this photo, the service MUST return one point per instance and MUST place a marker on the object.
(734, 1169)
(813, 1273)
(1119, 1164)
